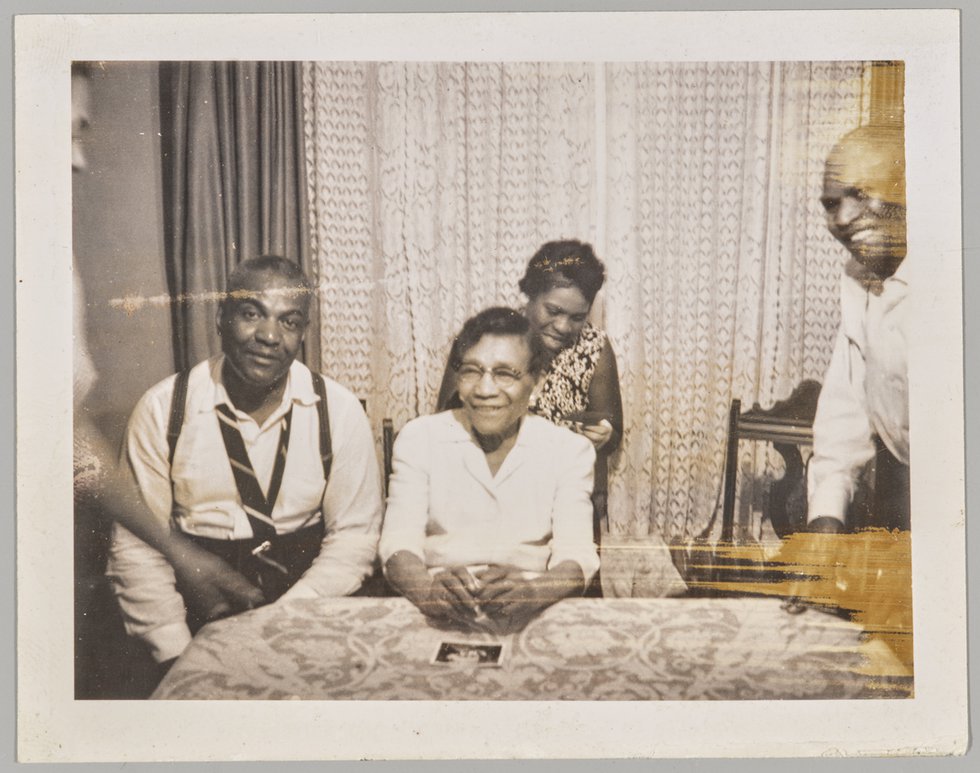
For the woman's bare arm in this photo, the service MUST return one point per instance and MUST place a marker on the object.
(211, 586)
(604, 394)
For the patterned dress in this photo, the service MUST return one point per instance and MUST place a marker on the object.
(565, 391)
(565, 387)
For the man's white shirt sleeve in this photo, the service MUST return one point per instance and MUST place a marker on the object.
(842, 434)
(351, 504)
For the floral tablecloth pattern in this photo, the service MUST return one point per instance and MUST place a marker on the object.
(579, 649)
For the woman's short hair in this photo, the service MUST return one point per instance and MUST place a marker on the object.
(564, 264)
(498, 321)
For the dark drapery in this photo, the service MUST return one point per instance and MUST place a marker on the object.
(234, 185)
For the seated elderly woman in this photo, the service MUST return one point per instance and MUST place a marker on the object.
(578, 386)
(489, 512)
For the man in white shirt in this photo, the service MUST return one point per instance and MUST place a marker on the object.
(255, 470)
(863, 407)
(489, 515)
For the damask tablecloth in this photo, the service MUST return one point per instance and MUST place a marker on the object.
(579, 649)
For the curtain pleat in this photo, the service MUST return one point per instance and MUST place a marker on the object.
(235, 185)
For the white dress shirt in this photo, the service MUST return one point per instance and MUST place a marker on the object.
(207, 500)
(445, 506)
(865, 392)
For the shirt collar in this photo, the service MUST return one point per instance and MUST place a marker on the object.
(901, 273)
(299, 386)
(870, 281)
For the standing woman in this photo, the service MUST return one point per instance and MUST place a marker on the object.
(579, 385)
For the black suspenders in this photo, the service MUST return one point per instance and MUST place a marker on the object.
(178, 407)
(326, 447)
(271, 562)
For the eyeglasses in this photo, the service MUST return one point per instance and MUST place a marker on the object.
(503, 377)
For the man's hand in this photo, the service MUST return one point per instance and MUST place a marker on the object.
(818, 558)
(825, 524)
(211, 587)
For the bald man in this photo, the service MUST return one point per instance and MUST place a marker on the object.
(863, 408)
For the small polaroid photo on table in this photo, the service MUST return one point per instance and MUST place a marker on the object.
(451, 653)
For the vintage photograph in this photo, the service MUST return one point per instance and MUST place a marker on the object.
(467, 655)
(551, 286)
(596, 371)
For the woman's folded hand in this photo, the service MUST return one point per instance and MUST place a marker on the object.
(510, 600)
(450, 594)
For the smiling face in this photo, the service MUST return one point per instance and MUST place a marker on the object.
(864, 199)
(262, 324)
(493, 406)
(557, 317)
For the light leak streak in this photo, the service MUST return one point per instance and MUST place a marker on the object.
(132, 303)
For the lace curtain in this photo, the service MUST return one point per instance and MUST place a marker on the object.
(430, 186)
(723, 279)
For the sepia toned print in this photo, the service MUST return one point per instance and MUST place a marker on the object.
(585, 390)
(412, 194)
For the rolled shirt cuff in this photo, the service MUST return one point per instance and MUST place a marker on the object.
(588, 564)
(829, 500)
(167, 642)
(301, 590)
(329, 584)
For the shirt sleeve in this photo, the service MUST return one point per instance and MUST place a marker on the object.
(572, 510)
(408, 496)
(351, 505)
(842, 436)
(142, 578)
